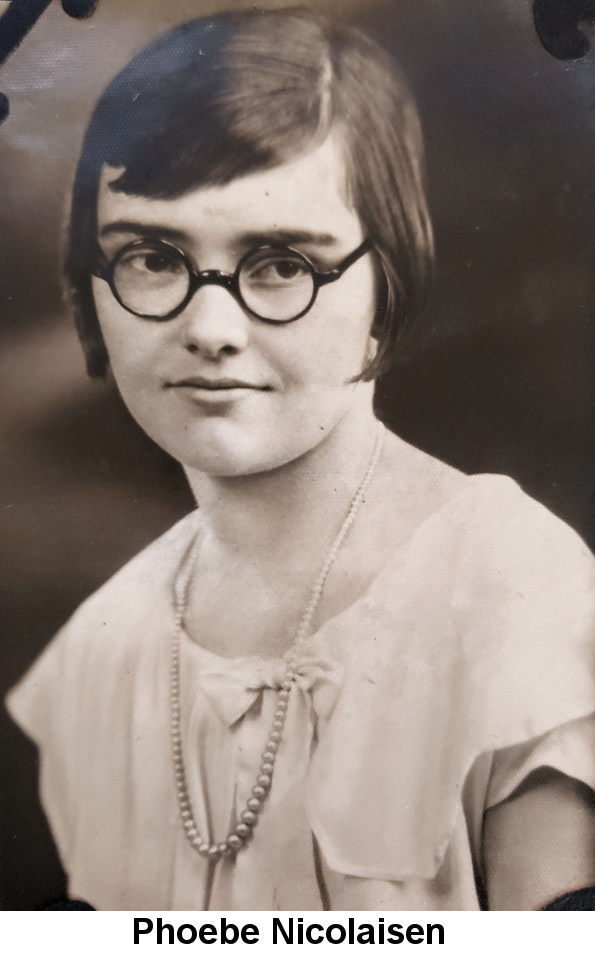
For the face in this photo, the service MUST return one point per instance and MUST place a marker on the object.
(221, 391)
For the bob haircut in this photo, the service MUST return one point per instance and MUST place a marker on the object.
(220, 97)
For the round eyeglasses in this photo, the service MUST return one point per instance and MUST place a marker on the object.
(156, 280)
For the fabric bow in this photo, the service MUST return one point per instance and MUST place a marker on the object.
(233, 688)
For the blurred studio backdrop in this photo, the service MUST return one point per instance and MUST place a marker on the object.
(501, 377)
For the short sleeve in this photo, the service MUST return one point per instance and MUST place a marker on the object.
(32, 702)
(83, 684)
(569, 749)
(41, 707)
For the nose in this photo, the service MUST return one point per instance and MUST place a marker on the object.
(214, 324)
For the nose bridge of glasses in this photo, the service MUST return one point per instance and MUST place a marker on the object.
(212, 276)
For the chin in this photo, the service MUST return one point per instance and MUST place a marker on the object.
(227, 454)
(225, 465)
(234, 463)
(235, 453)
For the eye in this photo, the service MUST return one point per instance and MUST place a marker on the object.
(154, 262)
(273, 269)
(150, 261)
(287, 269)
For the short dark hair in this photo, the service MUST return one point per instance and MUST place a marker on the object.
(219, 97)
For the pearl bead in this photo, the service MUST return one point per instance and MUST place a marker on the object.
(214, 852)
(243, 831)
(254, 804)
(204, 850)
(272, 746)
(283, 694)
(281, 706)
(235, 842)
(275, 736)
(249, 818)
(259, 791)
(264, 781)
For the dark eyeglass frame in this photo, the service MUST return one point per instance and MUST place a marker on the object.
(105, 270)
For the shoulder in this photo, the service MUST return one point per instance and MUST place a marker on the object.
(491, 586)
(99, 649)
(141, 590)
(486, 504)
(487, 515)
(517, 543)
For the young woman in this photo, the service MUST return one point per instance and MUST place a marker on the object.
(353, 678)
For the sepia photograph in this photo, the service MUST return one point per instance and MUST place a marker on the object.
(297, 468)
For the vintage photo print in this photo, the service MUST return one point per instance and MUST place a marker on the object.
(297, 459)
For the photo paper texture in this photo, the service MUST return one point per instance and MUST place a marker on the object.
(297, 458)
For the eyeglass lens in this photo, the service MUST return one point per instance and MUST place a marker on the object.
(151, 281)
(275, 284)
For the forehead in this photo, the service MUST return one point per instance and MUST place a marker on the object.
(309, 193)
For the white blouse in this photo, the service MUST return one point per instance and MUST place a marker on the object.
(468, 663)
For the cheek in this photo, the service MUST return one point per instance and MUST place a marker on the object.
(129, 341)
(336, 339)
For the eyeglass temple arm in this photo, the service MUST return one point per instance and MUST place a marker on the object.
(323, 278)
(102, 265)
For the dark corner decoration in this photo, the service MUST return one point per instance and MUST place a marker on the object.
(558, 24)
(19, 17)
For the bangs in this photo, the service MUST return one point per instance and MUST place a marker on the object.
(207, 104)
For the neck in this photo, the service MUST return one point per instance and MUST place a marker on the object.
(282, 518)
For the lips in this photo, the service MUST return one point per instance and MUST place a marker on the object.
(217, 384)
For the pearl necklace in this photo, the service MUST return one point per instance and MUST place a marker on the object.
(239, 836)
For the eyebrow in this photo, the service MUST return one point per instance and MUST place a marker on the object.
(130, 227)
(289, 237)
(245, 240)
